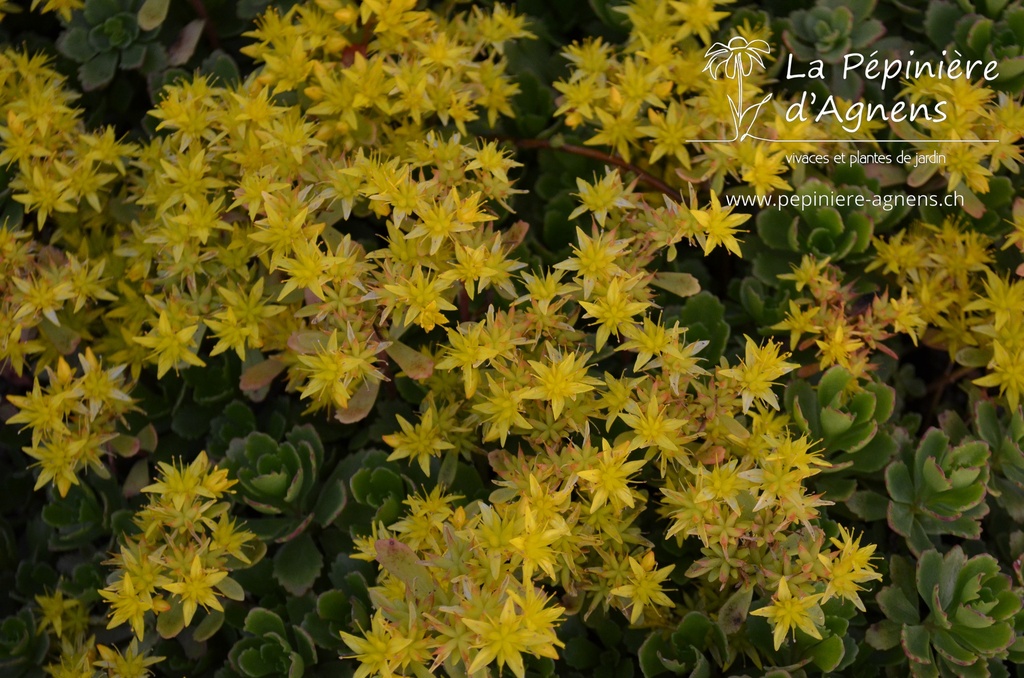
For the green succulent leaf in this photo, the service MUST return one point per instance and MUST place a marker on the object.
(297, 564)
(152, 14)
(74, 43)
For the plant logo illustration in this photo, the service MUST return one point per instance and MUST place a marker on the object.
(736, 60)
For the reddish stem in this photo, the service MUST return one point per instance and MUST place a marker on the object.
(649, 179)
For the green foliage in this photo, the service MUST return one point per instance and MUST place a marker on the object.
(982, 30)
(22, 647)
(820, 229)
(281, 478)
(938, 489)
(272, 649)
(380, 337)
(971, 614)
(829, 31)
(107, 35)
(681, 652)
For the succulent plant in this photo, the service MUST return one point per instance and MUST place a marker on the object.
(939, 489)
(842, 422)
(345, 606)
(848, 427)
(825, 231)
(989, 30)
(1004, 437)
(377, 489)
(22, 647)
(107, 35)
(829, 31)
(683, 649)
(972, 610)
(270, 650)
(281, 480)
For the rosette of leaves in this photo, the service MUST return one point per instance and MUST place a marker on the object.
(972, 609)
(829, 31)
(377, 488)
(685, 649)
(938, 489)
(111, 34)
(1004, 438)
(22, 647)
(989, 30)
(843, 415)
(281, 480)
(832, 29)
(345, 606)
(271, 650)
(824, 231)
(847, 422)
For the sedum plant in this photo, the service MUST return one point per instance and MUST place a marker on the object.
(938, 490)
(106, 36)
(970, 621)
(987, 30)
(456, 355)
(829, 31)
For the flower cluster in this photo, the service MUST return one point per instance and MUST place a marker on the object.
(338, 226)
(183, 554)
(951, 276)
(843, 328)
(74, 419)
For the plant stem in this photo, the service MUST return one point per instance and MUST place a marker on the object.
(649, 179)
(939, 386)
(463, 304)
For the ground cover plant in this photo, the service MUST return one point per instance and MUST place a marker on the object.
(397, 338)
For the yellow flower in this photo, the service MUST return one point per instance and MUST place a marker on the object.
(131, 664)
(593, 261)
(907, 316)
(196, 588)
(787, 612)
(182, 485)
(798, 322)
(719, 227)
(422, 295)
(614, 310)
(377, 650)
(418, 442)
(1006, 371)
(652, 426)
(618, 129)
(508, 636)
(653, 340)
(699, 18)
(758, 372)
(127, 605)
(848, 568)
(670, 132)
(502, 411)
(564, 377)
(57, 611)
(809, 271)
(602, 196)
(837, 347)
(644, 587)
(171, 346)
(609, 480)
(763, 173)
